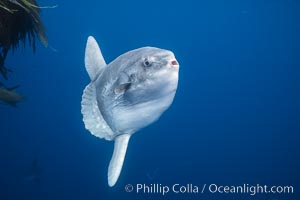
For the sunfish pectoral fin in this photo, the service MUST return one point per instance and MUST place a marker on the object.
(116, 162)
(94, 61)
(122, 84)
(122, 88)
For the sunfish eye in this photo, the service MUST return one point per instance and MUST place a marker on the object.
(147, 63)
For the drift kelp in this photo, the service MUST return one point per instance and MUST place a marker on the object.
(19, 20)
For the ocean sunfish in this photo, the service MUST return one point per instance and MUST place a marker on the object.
(126, 95)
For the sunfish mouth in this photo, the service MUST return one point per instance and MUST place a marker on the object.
(174, 63)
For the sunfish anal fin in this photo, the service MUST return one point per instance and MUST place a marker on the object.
(116, 162)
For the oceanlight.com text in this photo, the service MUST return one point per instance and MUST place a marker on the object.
(250, 189)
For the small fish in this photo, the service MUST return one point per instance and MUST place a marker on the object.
(9, 96)
(126, 95)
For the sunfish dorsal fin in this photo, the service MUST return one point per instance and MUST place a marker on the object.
(94, 61)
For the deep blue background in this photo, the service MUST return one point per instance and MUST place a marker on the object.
(235, 118)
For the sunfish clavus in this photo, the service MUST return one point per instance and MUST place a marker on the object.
(126, 95)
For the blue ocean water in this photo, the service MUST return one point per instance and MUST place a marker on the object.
(235, 119)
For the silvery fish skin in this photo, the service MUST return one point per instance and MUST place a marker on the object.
(126, 95)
